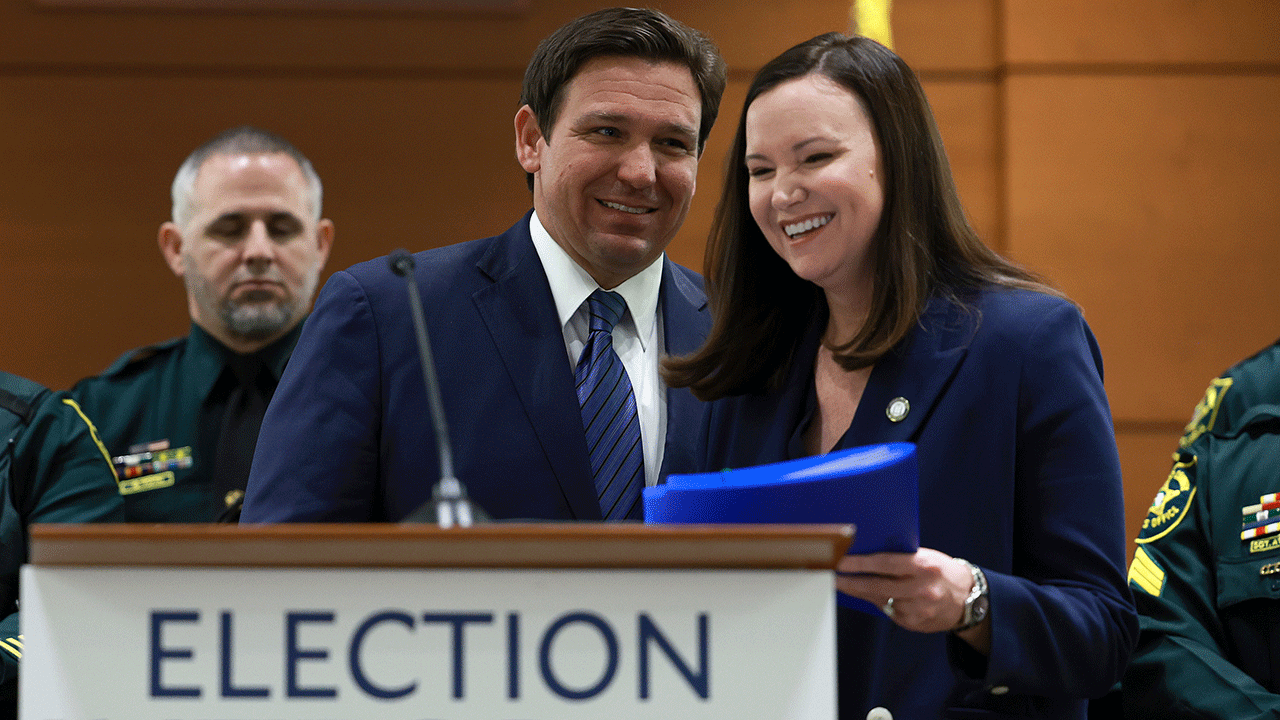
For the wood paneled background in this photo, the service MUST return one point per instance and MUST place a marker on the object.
(1130, 152)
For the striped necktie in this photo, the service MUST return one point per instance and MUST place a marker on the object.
(609, 413)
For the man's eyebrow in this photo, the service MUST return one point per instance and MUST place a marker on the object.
(621, 118)
(232, 215)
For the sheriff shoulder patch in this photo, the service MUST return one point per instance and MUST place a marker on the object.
(1206, 412)
(1170, 505)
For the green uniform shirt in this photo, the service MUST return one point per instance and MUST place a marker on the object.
(152, 408)
(52, 470)
(1207, 589)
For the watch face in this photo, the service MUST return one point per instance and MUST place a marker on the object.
(980, 609)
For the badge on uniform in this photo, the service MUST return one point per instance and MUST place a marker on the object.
(1170, 504)
(1259, 520)
(150, 466)
(1206, 412)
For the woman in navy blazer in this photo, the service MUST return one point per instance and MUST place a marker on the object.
(855, 305)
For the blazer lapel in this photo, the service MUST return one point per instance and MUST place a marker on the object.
(686, 321)
(918, 371)
(519, 313)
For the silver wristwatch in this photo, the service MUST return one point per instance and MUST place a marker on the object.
(978, 602)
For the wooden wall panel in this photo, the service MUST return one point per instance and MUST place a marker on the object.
(1142, 31)
(1152, 202)
(946, 36)
(1146, 458)
(334, 41)
(967, 116)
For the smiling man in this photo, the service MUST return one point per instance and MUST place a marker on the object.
(180, 418)
(551, 386)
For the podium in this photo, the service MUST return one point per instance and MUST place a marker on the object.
(543, 621)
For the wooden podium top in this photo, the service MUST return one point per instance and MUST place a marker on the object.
(497, 545)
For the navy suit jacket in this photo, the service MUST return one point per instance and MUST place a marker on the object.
(1019, 474)
(348, 435)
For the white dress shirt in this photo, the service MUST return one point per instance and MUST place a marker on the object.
(637, 338)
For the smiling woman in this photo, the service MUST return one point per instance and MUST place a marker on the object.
(814, 190)
(854, 305)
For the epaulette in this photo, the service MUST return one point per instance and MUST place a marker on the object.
(143, 354)
(1259, 420)
(1271, 349)
(15, 405)
(19, 395)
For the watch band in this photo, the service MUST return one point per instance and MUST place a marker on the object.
(976, 605)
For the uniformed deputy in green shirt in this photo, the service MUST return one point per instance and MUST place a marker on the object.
(1206, 571)
(52, 470)
(180, 418)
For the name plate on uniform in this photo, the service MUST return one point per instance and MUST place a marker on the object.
(226, 643)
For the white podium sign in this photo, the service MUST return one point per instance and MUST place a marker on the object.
(224, 643)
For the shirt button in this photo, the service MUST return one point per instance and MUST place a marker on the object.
(999, 690)
(879, 713)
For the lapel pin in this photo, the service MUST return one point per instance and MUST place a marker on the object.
(898, 409)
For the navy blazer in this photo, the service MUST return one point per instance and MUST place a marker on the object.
(1019, 474)
(348, 434)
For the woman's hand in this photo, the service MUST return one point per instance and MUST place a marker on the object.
(928, 588)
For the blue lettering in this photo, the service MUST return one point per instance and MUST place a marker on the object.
(699, 682)
(357, 672)
(458, 620)
(295, 654)
(513, 656)
(544, 656)
(226, 650)
(159, 653)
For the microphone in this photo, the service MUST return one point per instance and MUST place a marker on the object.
(449, 504)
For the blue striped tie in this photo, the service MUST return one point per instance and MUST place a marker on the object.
(609, 413)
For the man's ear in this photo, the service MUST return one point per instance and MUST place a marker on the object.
(170, 239)
(529, 140)
(324, 240)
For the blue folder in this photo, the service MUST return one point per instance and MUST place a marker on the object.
(875, 488)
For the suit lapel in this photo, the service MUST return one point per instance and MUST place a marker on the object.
(519, 313)
(685, 324)
(918, 371)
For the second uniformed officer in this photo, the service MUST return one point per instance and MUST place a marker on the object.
(180, 418)
(52, 470)
(1206, 572)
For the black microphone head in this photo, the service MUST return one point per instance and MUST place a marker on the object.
(401, 262)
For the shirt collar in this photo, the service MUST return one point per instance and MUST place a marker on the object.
(210, 356)
(571, 284)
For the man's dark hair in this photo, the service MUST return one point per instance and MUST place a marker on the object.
(623, 33)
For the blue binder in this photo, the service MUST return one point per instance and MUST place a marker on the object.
(875, 488)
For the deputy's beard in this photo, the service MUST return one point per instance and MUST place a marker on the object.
(256, 319)
(254, 315)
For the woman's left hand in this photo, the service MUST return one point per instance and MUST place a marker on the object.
(928, 587)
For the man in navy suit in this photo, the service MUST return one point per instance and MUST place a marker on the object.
(617, 106)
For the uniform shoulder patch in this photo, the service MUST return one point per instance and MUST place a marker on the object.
(1171, 502)
(1206, 412)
